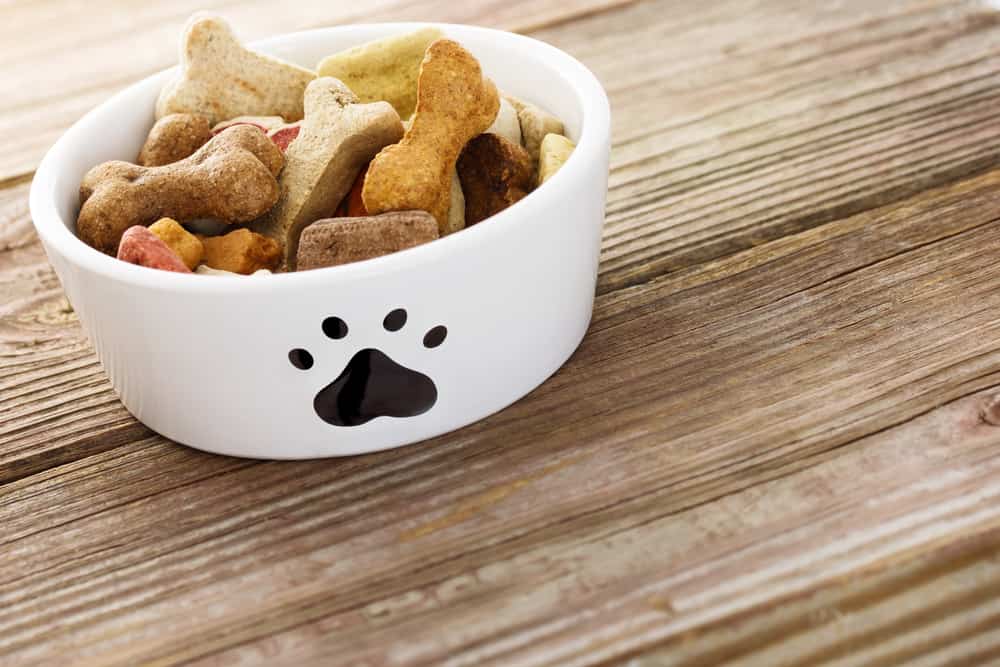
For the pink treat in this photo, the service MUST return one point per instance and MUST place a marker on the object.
(284, 135)
(143, 247)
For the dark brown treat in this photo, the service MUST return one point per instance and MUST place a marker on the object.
(337, 241)
(232, 178)
(495, 173)
(174, 138)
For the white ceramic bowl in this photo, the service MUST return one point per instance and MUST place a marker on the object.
(204, 360)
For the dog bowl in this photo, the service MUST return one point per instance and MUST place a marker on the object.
(354, 358)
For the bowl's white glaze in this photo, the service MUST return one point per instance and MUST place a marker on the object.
(204, 360)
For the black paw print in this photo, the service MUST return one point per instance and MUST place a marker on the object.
(372, 384)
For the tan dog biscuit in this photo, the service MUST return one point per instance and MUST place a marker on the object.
(455, 102)
(554, 152)
(337, 139)
(495, 173)
(385, 69)
(221, 79)
(506, 124)
(174, 138)
(232, 178)
(343, 240)
(241, 251)
(181, 241)
(535, 124)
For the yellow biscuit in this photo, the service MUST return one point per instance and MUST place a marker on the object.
(385, 69)
(181, 241)
(554, 152)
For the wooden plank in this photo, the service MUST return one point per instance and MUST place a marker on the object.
(698, 457)
(749, 123)
(49, 83)
(741, 167)
(937, 609)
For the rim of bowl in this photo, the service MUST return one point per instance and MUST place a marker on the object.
(593, 138)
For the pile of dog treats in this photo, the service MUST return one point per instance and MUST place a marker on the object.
(257, 165)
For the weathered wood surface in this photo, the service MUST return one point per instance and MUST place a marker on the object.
(779, 443)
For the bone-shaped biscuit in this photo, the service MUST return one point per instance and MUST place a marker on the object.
(455, 103)
(337, 139)
(174, 137)
(232, 178)
(221, 79)
(385, 69)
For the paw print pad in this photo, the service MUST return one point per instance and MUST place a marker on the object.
(372, 384)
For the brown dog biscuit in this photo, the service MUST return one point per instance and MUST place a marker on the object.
(174, 138)
(385, 69)
(241, 251)
(221, 79)
(344, 240)
(535, 124)
(455, 102)
(337, 139)
(232, 178)
(495, 173)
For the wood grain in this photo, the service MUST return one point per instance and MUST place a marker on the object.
(571, 511)
(778, 443)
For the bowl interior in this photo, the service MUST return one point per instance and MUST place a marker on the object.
(520, 66)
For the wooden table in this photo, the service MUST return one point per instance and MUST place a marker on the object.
(778, 444)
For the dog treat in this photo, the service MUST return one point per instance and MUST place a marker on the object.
(241, 251)
(221, 79)
(284, 134)
(231, 178)
(205, 270)
(277, 130)
(141, 246)
(352, 205)
(455, 103)
(344, 240)
(385, 69)
(265, 123)
(555, 150)
(535, 124)
(456, 206)
(174, 138)
(181, 241)
(495, 173)
(337, 139)
(506, 123)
